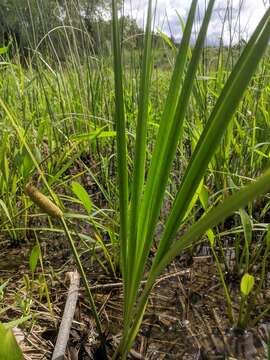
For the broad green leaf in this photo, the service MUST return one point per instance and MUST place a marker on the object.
(82, 195)
(247, 283)
(4, 49)
(107, 134)
(24, 162)
(93, 135)
(34, 257)
(9, 349)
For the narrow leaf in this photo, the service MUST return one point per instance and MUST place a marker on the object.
(211, 219)
(216, 127)
(247, 226)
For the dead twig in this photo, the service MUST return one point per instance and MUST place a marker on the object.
(63, 334)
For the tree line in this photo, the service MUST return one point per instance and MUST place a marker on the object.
(58, 26)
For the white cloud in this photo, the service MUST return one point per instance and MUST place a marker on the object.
(167, 19)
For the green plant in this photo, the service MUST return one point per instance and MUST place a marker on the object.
(54, 211)
(9, 349)
(35, 258)
(138, 217)
(246, 286)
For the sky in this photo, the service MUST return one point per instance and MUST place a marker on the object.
(168, 21)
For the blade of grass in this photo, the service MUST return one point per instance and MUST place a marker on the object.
(120, 140)
(21, 136)
(215, 128)
(140, 155)
(169, 131)
(168, 136)
(211, 219)
(231, 96)
(166, 151)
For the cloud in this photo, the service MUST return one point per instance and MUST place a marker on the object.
(240, 17)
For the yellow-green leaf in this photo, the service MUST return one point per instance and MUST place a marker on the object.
(268, 236)
(82, 195)
(34, 257)
(211, 237)
(247, 284)
(9, 349)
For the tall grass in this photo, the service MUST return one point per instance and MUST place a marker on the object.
(146, 202)
(191, 139)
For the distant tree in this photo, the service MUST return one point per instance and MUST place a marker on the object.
(59, 27)
(28, 21)
(132, 33)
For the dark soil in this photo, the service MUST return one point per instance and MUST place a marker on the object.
(185, 319)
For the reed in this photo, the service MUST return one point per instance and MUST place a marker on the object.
(139, 215)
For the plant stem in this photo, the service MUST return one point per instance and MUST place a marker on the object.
(225, 289)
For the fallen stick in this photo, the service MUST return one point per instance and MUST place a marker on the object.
(70, 306)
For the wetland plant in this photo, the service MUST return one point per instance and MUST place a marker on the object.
(140, 202)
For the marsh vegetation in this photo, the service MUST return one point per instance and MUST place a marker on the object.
(144, 164)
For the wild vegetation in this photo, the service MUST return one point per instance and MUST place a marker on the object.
(141, 155)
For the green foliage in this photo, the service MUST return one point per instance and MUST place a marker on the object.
(34, 258)
(183, 142)
(44, 25)
(247, 284)
(247, 227)
(9, 349)
(82, 195)
(4, 49)
(137, 230)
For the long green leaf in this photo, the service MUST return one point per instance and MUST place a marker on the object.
(168, 136)
(120, 138)
(140, 154)
(215, 128)
(165, 124)
(210, 220)
(167, 147)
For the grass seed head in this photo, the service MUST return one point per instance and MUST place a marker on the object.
(43, 202)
